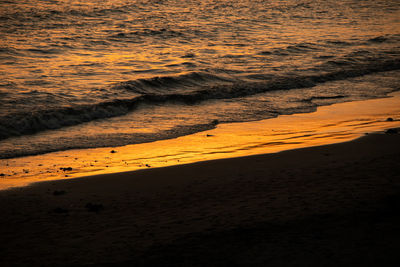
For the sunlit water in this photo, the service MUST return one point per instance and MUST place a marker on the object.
(80, 74)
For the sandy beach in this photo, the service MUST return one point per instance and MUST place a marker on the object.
(327, 125)
(333, 205)
(199, 133)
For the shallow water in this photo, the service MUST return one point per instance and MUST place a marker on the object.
(80, 74)
(330, 124)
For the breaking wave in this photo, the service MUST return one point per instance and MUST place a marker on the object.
(186, 90)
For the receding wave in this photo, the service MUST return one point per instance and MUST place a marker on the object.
(185, 89)
(117, 139)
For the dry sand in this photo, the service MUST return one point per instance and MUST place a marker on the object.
(334, 205)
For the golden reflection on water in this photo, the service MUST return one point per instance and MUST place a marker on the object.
(70, 48)
(330, 124)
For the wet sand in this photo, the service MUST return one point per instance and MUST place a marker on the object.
(328, 124)
(333, 205)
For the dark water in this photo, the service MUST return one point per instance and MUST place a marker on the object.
(79, 74)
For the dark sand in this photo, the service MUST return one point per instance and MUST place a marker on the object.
(335, 205)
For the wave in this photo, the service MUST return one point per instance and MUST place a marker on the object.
(163, 33)
(8, 51)
(162, 84)
(185, 89)
(112, 140)
(306, 47)
(43, 51)
(292, 49)
(380, 39)
(55, 12)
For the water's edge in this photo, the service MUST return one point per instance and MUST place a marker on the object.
(329, 124)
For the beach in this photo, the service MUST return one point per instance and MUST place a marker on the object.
(327, 125)
(199, 133)
(333, 205)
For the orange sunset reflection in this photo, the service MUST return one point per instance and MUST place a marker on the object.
(330, 124)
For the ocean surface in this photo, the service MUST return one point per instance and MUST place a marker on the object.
(97, 73)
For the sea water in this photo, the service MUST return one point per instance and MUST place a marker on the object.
(85, 74)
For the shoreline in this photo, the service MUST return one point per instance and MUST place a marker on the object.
(328, 124)
(331, 205)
